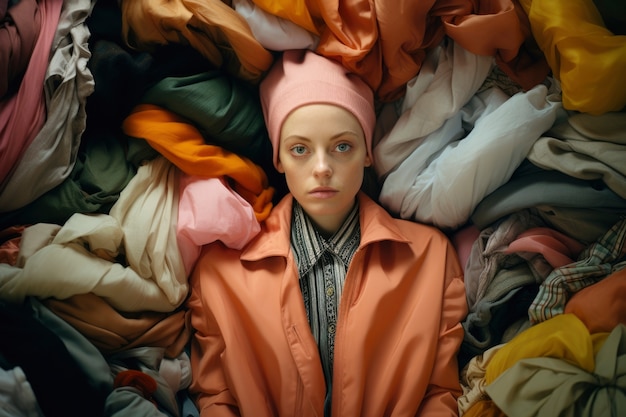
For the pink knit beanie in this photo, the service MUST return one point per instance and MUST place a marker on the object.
(302, 77)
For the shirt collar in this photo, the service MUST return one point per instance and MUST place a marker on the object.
(309, 245)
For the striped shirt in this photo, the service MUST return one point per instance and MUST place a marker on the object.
(322, 266)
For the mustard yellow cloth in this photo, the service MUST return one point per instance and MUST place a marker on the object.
(586, 57)
(563, 336)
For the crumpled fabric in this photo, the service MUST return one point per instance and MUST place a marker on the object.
(588, 59)
(596, 262)
(202, 201)
(130, 257)
(225, 111)
(449, 76)
(112, 331)
(443, 180)
(588, 147)
(273, 32)
(19, 28)
(551, 386)
(183, 144)
(601, 306)
(50, 156)
(24, 113)
(211, 27)
(385, 41)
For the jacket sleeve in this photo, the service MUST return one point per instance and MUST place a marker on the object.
(208, 386)
(444, 386)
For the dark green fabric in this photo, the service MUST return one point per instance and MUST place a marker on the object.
(102, 170)
(226, 111)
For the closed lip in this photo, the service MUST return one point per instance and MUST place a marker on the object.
(323, 192)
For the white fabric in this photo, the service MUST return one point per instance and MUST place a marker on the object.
(274, 32)
(86, 254)
(448, 78)
(444, 179)
(17, 398)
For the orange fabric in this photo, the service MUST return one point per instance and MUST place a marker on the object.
(295, 11)
(182, 144)
(397, 335)
(211, 27)
(601, 306)
(386, 41)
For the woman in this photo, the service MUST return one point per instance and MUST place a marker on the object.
(335, 308)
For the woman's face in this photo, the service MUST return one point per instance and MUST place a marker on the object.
(323, 154)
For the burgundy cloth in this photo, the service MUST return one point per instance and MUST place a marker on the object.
(19, 29)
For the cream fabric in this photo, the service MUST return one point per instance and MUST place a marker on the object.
(129, 257)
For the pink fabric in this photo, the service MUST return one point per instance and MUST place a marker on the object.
(302, 77)
(557, 248)
(463, 240)
(209, 211)
(23, 114)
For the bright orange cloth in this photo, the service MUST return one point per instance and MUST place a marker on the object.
(601, 306)
(183, 145)
(386, 41)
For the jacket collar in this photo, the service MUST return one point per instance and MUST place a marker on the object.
(274, 240)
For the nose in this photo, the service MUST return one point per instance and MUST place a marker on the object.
(322, 167)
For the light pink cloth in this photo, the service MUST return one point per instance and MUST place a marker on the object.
(463, 240)
(208, 211)
(557, 248)
(23, 114)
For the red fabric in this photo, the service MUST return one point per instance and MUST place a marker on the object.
(136, 379)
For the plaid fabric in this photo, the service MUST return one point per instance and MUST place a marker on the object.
(597, 261)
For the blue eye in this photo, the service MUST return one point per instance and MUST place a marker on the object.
(344, 147)
(298, 150)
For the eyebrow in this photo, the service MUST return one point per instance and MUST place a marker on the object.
(342, 133)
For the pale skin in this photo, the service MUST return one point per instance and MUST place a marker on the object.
(322, 153)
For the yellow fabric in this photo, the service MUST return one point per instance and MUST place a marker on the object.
(564, 337)
(587, 58)
(483, 408)
(295, 11)
(183, 144)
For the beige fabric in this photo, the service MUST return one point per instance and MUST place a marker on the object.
(586, 147)
(129, 257)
